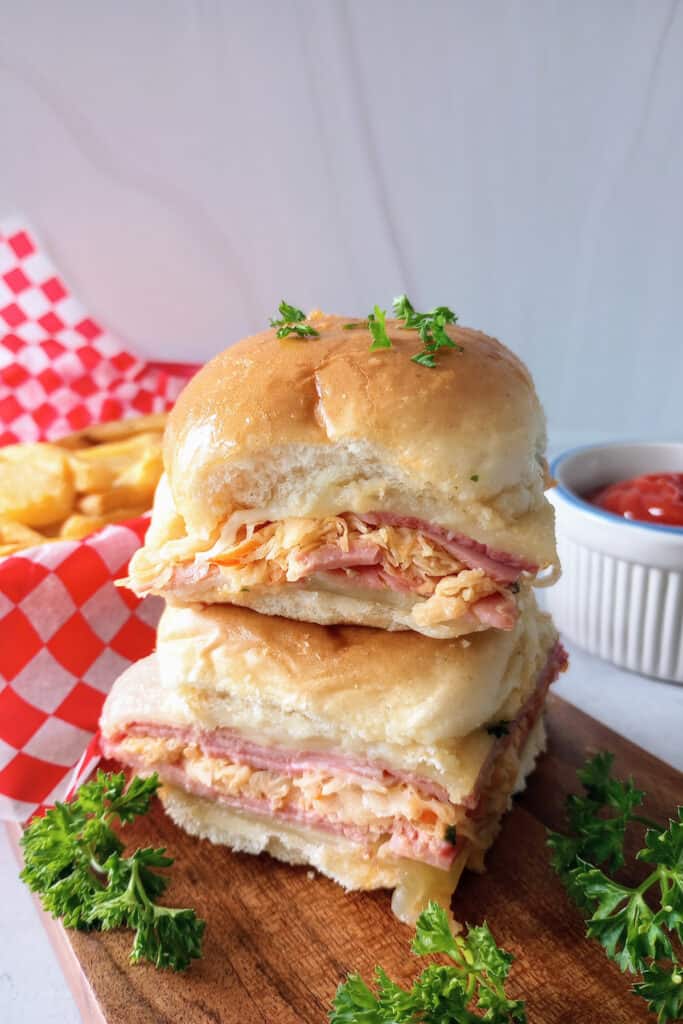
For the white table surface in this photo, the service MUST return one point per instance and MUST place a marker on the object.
(31, 985)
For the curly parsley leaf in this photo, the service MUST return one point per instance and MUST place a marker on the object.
(427, 359)
(621, 920)
(598, 818)
(433, 934)
(636, 925)
(431, 327)
(442, 994)
(107, 795)
(292, 321)
(73, 860)
(663, 991)
(377, 326)
(450, 834)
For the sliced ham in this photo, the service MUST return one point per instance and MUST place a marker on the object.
(367, 564)
(175, 775)
(228, 744)
(500, 566)
(194, 573)
(330, 557)
(408, 841)
(496, 610)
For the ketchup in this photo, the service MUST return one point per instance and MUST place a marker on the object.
(653, 498)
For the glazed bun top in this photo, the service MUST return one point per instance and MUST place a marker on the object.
(324, 425)
(378, 685)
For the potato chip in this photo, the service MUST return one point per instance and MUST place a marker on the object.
(100, 467)
(116, 498)
(36, 484)
(16, 537)
(144, 473)
(78, 525)
(73, 487)
(115, 430)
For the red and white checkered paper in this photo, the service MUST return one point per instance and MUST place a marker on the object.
(66, 631)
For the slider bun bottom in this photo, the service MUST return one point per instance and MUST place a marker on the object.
(414, 883)
(326, 608)
(344, 862)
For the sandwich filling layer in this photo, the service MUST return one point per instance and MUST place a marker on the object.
(385, 812)
(443, 577)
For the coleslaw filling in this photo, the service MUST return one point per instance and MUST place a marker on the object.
(449, 576)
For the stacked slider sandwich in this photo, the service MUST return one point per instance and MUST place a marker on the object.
(315, 488)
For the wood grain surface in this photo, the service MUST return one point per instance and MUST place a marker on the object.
(278, 941)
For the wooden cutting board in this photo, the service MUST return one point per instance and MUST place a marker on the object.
(278, 942)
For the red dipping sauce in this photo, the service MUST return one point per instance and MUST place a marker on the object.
(653, 498)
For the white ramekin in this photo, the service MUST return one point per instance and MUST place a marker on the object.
(621, 591)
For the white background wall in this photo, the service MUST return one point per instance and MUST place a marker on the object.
(190, 163)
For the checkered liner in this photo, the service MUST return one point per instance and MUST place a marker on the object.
(65, 631)
(59, 370)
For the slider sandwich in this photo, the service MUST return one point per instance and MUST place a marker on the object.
(383, 760)
(319, 480)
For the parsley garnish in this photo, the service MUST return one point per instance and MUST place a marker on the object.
(292, 321)
(431, 328)
(498, 729)
(443, 994)
(451, 834)
(378, 329)
(637, 937)
(72, 859)
(475, 478)
(427, 359)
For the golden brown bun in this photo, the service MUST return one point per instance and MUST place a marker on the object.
(396, 687)
(399, 698)
(325, 608)
(138, 696)
(321, 426)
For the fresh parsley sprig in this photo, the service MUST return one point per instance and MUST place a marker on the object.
(73, 860)
(292, 321)
(377, 325)
(431, 328)
(443, 994)
(639, 926)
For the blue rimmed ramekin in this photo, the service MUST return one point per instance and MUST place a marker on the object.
(621, 591)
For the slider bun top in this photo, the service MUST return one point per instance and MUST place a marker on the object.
(314, 427)
(339, 681)
(400, 699)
